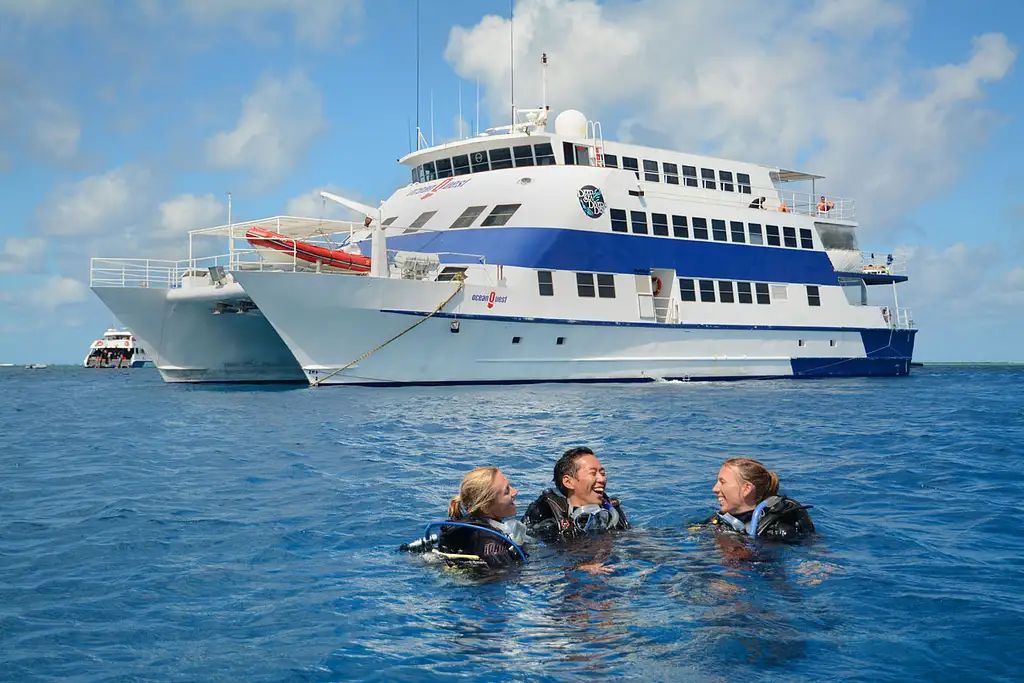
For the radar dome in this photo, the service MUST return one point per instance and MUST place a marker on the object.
(571, 123)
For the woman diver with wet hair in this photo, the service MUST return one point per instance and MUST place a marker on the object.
(749, 503)
(475, 533)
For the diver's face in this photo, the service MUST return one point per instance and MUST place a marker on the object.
(588, 484)
(732, 491)
(504, 503)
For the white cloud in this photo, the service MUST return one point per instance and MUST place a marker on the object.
(825, 87)
(99, 204)
(57, 291)
(22, 254)
(278, 123)
(190, 212)
(311, 204)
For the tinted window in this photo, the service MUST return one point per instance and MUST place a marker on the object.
(813, 296)
(479, 161)
(739, 231)
(468, 216)
(605, 286)
(773, 235)
(619, 220)
(700, 228)
(545, 283)
(709, 178)
(428, 171)
(690, 176)
(545, 155)
(389, 221)
(679, 227)
(726, 178)
(611, 161)
(789, 237)
(755, 234)
(651, 171)
(523, 155)
(671, 173)
(762, 293)
(585, 284)
(582, 155)
(687, 292)
(444, 168)
(743, 288)
(725, 294)
(806, 241)
(638, 219)
(718, 230)
(461, 164)
(567, 153)
(659, 224)
(422, 220)
(500, 215)
(707, 290)
(743, 180)
(630, 164)
(500, 158)
(449, 272)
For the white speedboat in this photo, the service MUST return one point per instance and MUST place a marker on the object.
(116, 349)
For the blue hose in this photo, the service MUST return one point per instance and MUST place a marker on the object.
(426, 533)
(756, 517)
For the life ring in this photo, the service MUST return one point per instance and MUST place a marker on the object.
(886, 316)
(656, 284)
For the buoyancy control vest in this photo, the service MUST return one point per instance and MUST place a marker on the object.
(552, 518)
(776, 517)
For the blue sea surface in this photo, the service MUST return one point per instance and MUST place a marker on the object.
(153, 532)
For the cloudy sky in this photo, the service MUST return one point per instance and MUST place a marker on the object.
(124, 124)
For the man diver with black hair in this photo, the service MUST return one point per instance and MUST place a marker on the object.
(580, 505)
(749, 503)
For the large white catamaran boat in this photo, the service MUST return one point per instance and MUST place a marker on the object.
(522, 255)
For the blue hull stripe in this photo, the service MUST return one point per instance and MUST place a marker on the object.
(607, 252)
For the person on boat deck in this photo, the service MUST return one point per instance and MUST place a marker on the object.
(824, 205)
(485, 499)
(580, 505)
(745, 489)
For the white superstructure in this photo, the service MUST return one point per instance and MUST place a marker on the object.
(116, 349)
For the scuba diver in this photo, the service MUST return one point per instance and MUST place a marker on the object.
(580, 505)
(474, 534)
(750, 504)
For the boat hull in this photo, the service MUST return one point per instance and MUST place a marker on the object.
(331, 323)
(189, 342)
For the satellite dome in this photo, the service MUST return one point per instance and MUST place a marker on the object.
(571, 123)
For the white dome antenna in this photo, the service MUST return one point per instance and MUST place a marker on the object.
(571, 123)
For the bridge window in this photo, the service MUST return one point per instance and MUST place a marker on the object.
(813, 296)
(630, 164)
(762, 293)
(461, 164)
(429, 173)
(659, 224)
(585, 285)
(545, 155)
(687, 292)
(725, 293)
(523, 155)
(567, 154)
(707, 291)
(619, 220)
(789, 237)
(671, 173)
(726, 178)
(444, 168)
(500, 215)
(605, 286)
(651, 171)
(468, 216)
(745, 295)
(773, 235)
(718, 230)
(709, 178)
(545, 283)
(582, 155)
(422, 220)
(739, 231)
(611, 161)
(479, 161)
(679, 227)
(690, 176)
(638, 219)
(755, 234)
(700, 228)
(743, 180)
(806, 241)
(500, 158)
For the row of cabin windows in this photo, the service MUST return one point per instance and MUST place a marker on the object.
(588, 285)
(670, 173)
(485, 160)
(735, 231)
(498, 216)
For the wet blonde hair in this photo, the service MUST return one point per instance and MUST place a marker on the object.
(765, 483)
(476, 493)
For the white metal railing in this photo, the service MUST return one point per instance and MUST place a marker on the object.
(879, 263)
(903, 320)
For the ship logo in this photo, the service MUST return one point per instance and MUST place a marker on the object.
(591, 201)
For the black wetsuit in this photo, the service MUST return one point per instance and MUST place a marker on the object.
(548, 518)
(491, 549)
(782, 520)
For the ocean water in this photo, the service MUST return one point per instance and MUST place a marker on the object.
(151, 532)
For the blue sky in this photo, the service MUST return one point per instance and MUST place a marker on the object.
(124, 124)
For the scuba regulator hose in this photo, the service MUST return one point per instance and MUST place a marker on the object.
(428, 541)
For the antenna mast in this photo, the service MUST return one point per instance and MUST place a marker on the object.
(544, 81)
(512, 54)
(417, 75)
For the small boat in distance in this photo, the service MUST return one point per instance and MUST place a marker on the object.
(36, 366)
(117, 349)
